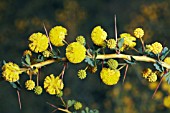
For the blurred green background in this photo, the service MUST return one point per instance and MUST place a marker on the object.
(20, 18)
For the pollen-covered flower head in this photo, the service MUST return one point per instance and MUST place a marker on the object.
(11, 71)
(38, 90)
(113, 64)
(75, 52)
(98, 36)
(53, 85)
(152, 77)
(111, 43)
(109, 77)
(81, 40)
(157, 47)
(129, 41)
(27, 52)
(57, 35)
(167, 60)
(82, 74)
(138, 32)
(30, 84)
(78, 105)
(38, 42)
(146, 72)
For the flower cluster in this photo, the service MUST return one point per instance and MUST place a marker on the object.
(149, 75)
(156, 48)
(75, 52)
(109, 77)
(82, 74)
(30, 84)
(11, 72)
(98, 36)
(53, 85)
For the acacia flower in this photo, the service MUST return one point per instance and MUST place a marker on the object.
(111, 43)
(75, 52)
(53, 85)
(109, 77)
(27, 52)
(78, 105)
(38, 42)
(157, 47)
(152, 77)
(30, 84)
(113, 64)
(146, 72)
(167, 60)
(57, 35)
(129, 41)
(38, 90)
(81, 40)
(46, 53)
(82, 74)
(138, 32)
(11, 72)
(98, 36)
(166, 101)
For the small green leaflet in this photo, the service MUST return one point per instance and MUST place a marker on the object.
(120, 42)
(26, 60)
(165, 52)
(167, 76)
(89, 61)
(87, 110)
(16, 85)
(70, 103)
(133, 61)
(158, 66)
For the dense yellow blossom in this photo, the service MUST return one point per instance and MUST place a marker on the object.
(38, 90)
(53, 85)
(149, 48)
(166, 101)
(111, 43)
(57, 35)
(78, 106)
(157, 47)
(167, 60)
(128, 41)
(38, 42)
(75, 52)
(27, 52)
(81, 40)
(30, 84)
(11, 71)
(82, 74)
(98, 36)
(109, 77)
(138, 32)
(46, 53)
(152, 77)
(113, 64)
(146, 72)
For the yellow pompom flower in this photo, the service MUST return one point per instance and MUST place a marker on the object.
(109, 77)
(98, 36)
(30, 84)
(57, 35)
(111, 43)
(10, 72)
(92, 69)
(152, 77)
(113, 64)
(166, 101)
(157, 47)
(75, 52)
(146, 72)
(46, 53)
(82, 74)
(149, 48)
(78, 105)
(53, 85)
(27, 52)
(128, 41)
(81, 40)
(167, 60)
(38, 42)
(138, 32)
(38, 90)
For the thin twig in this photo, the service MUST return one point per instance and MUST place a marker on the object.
(125, 73)
(143, 45)
(19, 100)
(115, 28)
